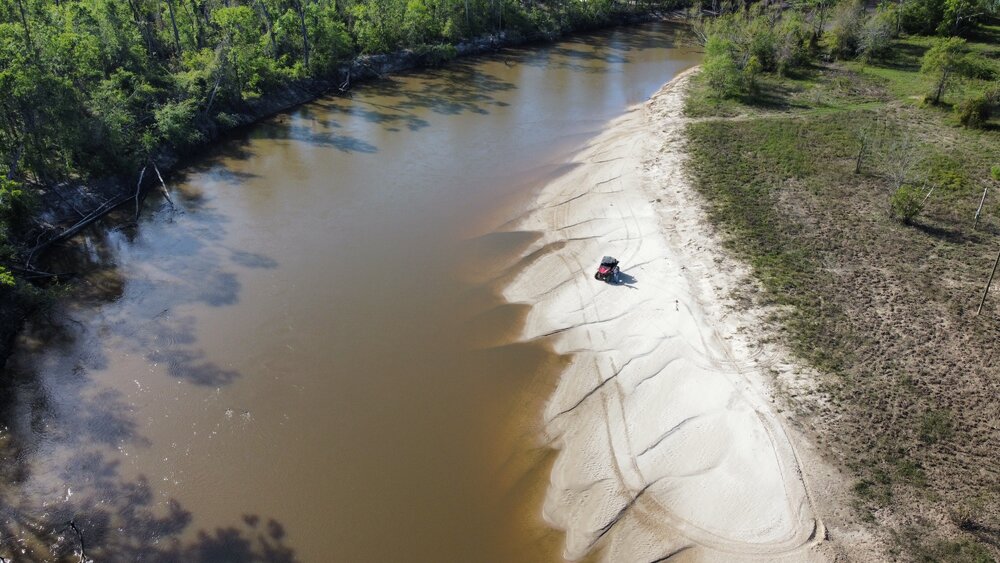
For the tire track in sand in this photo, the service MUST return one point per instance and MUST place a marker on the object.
(667, 445)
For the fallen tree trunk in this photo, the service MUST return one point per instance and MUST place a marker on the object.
(90, 218)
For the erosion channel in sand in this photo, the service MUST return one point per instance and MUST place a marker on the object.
(667, 442)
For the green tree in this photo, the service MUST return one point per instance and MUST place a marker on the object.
(331, 41)
(418, 24)
(376, 26)
(246, 60)
(793, 43)
(943, 61)
(748, 77)
(95, 87)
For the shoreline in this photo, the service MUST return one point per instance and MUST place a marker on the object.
(667, 440)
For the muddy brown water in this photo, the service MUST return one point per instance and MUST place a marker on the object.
(306, 357)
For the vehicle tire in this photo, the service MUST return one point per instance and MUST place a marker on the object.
(597, 276)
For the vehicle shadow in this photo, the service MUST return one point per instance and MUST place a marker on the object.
(623, 279)
(626, 280)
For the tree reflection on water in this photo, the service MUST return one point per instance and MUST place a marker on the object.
(103, 515)
(56, 422)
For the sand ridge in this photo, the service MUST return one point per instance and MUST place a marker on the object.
(668, 444)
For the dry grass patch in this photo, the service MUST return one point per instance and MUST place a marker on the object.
(885, 309)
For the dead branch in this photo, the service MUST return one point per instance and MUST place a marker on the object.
(68, 202)
(988, 283)
(101, 211)
(347, 83)
(163, 185)
(138, 190)
(31, 274)
(79, 535)
(980, 210)
(929, 192)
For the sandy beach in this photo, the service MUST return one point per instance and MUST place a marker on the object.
(669, 444)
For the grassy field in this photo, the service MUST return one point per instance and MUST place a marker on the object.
(799, 180)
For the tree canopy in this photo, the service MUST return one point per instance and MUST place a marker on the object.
(93, 87)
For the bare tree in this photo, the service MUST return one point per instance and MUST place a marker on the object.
(899, 157)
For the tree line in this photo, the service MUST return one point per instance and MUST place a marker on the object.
(742, 42)
(96, 87)
(92, 85)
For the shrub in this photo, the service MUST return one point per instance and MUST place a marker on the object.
(979, 67)
(906, 203)
(876, 34)
(992, 93)
(845, 31)
(719, 68)
(175, 123)
(973, 112)
(226, 120)
(945, 171)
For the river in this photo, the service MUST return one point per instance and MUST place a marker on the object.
(305, 357)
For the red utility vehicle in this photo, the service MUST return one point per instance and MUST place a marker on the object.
(608, 270)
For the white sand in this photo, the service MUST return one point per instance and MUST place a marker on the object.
(668, 443)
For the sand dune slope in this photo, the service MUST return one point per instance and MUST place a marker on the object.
(668, 446)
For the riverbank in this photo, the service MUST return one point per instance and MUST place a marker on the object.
(59, 207)
(667, 436)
